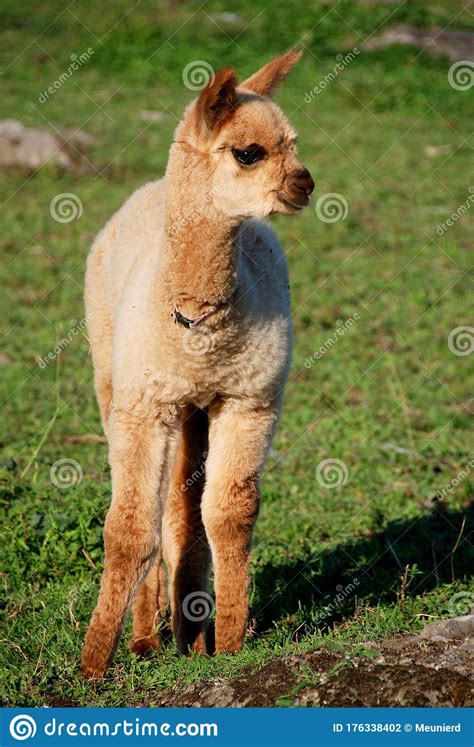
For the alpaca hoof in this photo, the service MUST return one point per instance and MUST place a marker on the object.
(92, 670)
(199, 645)
(190, 644)
(144, 646)
(232, 647)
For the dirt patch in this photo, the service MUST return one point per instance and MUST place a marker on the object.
(407, 671)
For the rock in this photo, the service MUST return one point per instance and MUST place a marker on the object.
(78, 137)
(456, 45)
(23, 146)
(401, 450)
(468, 645)
(29, 148)
(451, 627)
(407, 671)
(155, 117)
(433, 151)
(227, 19)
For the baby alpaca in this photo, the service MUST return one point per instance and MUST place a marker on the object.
(189, 321)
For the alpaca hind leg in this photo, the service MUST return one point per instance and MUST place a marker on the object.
(185, 545)
(149, 609)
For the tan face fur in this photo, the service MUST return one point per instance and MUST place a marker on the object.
(227, 121)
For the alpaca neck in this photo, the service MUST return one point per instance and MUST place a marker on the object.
(200, 256)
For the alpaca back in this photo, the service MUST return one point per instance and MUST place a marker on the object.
(131, 238)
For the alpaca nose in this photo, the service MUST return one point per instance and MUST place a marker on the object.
(302, 180)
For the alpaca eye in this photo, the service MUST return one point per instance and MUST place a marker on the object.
(249, 155)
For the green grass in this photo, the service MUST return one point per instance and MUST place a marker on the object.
(390, 379)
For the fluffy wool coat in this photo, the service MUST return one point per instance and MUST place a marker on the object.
(188, 314)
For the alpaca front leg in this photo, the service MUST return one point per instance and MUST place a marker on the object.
(238, 443)
(138, 457)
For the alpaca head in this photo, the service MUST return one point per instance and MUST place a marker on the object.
(243, 145)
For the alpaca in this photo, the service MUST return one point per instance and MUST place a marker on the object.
(188, 314)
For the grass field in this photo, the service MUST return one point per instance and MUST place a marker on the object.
(385, 395)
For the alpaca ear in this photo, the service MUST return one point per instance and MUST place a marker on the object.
(217, 100)
(269, 77)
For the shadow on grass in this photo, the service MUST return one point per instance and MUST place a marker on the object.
(322, 589)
